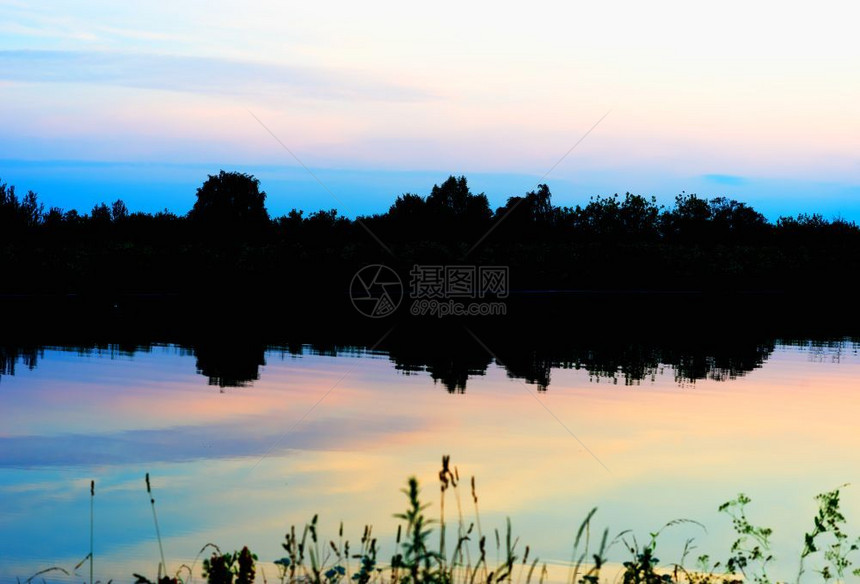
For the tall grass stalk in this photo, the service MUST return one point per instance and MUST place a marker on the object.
(157, 530)
(477, 515)
(447, 479)
(92, 516)
(462, 531)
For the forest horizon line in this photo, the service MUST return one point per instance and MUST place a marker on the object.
(33, 210)
(611, 242)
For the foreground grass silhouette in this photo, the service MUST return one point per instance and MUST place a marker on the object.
(437, 551)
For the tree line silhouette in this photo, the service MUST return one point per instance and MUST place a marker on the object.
(229, 244)
(234, 363)
(618, 339)
(615, 364)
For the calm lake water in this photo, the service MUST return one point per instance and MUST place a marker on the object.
(239, 451)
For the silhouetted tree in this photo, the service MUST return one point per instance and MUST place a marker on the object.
(407, 206)
(100, 215)
(53, 218)
(526, 217)
(736, 222)
(230, 199)
(453, 204)
(451, 196)
(229, 362)
(118, 211)
(689, 220)
(18, 215)
(639, 217)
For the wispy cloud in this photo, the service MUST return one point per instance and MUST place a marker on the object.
(184, 443)
(725, 179)
(206, 75)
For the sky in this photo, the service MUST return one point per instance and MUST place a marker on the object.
(348, 104)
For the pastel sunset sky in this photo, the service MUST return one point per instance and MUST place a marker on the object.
(758, 101)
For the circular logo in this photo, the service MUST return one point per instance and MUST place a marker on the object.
(376, 291)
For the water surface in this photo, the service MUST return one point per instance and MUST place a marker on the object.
(241, 443)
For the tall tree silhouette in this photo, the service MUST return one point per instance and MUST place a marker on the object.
(454, 210)
(230, 199)
(525, 217)
(18, 215)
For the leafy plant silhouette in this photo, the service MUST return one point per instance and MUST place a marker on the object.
(829, 520)
(751, 550)
(417, 559)
(238, 567)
